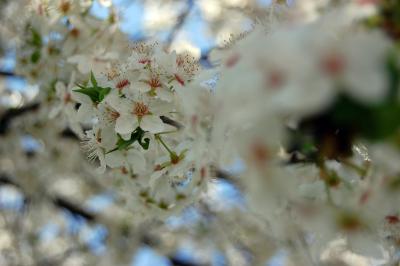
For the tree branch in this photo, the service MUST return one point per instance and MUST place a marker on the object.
(7, 74)
(179, 24)
(171, 122)
(175, 261)
(58, 201)
(74, 208)
(10, 114)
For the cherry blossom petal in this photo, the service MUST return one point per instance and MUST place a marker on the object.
(137, 160)
(126, 124)
(152, 124)
(115, 159)
(85, 113)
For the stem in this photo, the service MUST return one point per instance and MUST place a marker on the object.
(360, 170)
(167, 132)
(171, 79)
(322, 166)
(8, 74)
(179, 24)
(329, 195)
(171, 122)
(159, 139)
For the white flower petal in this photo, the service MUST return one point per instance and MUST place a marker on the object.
(102, 168)
(84, 67)
(83, 62)
(55, 111)
(140, 86)
(85, 113)
(75, 59)
(115, 159)
(371, 88)
(125, 124)
(137, 160)
(152, 123)
(80, 97)
(120, 105)
(126, 136)
(60, 89)
(109, 138)
(165, 95)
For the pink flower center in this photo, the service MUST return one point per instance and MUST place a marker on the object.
(179, 61)
(194, 120)
(124, 171)
(67, 98)
(122, 84)
(64, 7)
(392, 219)
(112, 74)
(98, 137)
(140, 109)
(112, 114)
(154, 82)
(40, 9)
(259, 153)
(365, 196)
(333, 64)
(75, 33)
(179, 79)
(275, 79)
(232, 60)
(144, 61)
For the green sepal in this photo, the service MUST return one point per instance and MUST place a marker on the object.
(36, 38)
(93, 79)
(35, 57)
(95, 93)
(136, 135)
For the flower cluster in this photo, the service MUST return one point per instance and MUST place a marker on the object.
(307, 103)
(135, 109)
(315, 99)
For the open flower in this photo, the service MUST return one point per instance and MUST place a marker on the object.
(140, 111)
(355, 65)
(96, 142)
(66, 106)
(142, 55)
(97, 61)
(131, 159)
(181, 67)
(87, 109)
(63, 93)
(154, 83)
(118, 77)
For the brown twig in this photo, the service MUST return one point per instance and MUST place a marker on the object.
(7, 74)
(179, 24)
(171, 122)
(10, 114)
(58, 201)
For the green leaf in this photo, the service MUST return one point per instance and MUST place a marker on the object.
(103, 93)
(374, 122)
(93, 79)
(36, 38)
(96, 93)
(51, 90)
(145, 144)
(136, 135)
(393, 72)
(124, 144)
(35, 57)
(92, 93)
(385, 121)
